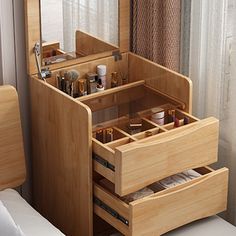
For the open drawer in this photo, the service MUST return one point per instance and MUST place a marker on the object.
(166, 209)
(135, 158)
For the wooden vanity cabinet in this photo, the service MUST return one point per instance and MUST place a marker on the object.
(70, 165)
(67, 152)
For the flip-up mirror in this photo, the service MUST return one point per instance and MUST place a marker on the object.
(73, 29)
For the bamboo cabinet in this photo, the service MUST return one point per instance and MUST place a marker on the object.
(81, 181)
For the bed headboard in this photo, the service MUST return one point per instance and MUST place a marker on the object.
(12, 158)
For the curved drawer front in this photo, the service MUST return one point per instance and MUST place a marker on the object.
(140, 163)
(169, 208)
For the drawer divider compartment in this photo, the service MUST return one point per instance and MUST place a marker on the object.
(143, 162)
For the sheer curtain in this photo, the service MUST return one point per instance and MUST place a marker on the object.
(96, 17)
(213, 72)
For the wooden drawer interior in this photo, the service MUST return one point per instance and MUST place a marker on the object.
(133, 149)
(166, 208)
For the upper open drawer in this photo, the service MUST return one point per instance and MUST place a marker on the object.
(141, 136)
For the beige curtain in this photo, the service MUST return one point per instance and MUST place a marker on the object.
(213, 72)
(157, 31)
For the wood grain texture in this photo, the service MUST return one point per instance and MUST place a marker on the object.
(143, 162)
(116, 204)
(48, 47)
(32, 22)
(32, 32)
(107, 173)
(170, 208)
(87, 44)
(103, 151)
(195, 200)
(12, 157)
(158, 77)
(124, 25)
(62, 159)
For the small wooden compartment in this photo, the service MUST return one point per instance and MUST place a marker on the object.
(166, 209)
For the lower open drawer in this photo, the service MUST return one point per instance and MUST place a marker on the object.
(166, 209)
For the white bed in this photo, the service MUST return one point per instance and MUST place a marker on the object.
(29, 220)
(17, 217)
(212, 226)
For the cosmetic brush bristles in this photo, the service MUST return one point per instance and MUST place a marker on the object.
(72, 75)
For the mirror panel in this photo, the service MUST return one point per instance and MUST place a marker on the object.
(73, 29)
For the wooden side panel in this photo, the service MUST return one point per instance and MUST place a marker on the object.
(87, 44)
(166, 81)
(62, 159)
(161, 213)
(32, 32)
(103, 151)
(12, 158)
(124, 25)
(107, 173)
(116, 204)
(141, 163)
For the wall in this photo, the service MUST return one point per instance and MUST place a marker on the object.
(13, 67)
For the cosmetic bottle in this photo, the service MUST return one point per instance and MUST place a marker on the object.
(59, 79)
(171, 116)
(186, 120)
(82, 84)
(100, 86)
(92, 80)
(102, 71)
(135, 126)
(176, 123)
(158, 116)
(114, 79)
(109, 135)
(100, 135)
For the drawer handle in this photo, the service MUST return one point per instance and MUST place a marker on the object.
(110, 211)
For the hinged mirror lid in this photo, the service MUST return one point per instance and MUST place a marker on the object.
(33, 36)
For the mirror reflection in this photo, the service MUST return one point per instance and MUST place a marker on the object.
(76, 28)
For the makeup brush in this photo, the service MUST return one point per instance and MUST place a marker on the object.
(72, 75)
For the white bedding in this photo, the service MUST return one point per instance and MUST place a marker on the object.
(212, 226)
(29, 220)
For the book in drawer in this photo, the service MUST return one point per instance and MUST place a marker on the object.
(166, 209)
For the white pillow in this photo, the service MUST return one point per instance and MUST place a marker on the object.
(7, 224)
